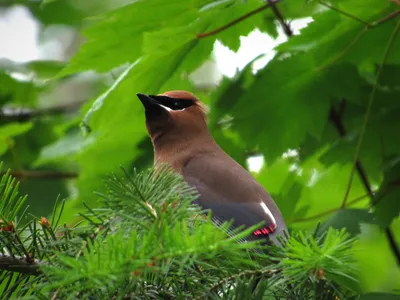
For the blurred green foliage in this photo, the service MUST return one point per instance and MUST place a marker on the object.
(313, 97)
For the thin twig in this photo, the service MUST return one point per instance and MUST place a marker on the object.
(241, 274)
(393, 244)
(328, 212)
(41, 174)
(368, 25)
(343, 13)
(234, 22)
(285, 26)
(25, 114)
(92, 238)
(367, 114)
(55, 295)
(385, 19)
(354, 201)
(336, 119)
(19, 264)
(358, 36)
(345, 50)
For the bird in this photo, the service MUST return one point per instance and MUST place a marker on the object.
(177, 125)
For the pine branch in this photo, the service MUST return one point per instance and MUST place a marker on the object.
(20, 264)
(248, 273)
(122, 252)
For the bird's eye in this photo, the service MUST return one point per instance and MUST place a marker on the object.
(176, 103)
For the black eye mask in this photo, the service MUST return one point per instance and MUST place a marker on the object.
(174, 104)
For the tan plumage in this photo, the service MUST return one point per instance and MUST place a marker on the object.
(176, 122)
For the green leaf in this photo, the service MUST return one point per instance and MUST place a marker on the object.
(10, 130)
(390, 76)
(348, 218)
(324, 191)
(375, 257)
(231, 36)
(168, 40)
(117, 37)
(357, 9)
(44, 69)
(333, 38)
(275, 175)
(387, 204)
(14, 129)
(66, 147)
(58, 12)
(287, 123)
(40, 69)
(17, 91)
(98, 103)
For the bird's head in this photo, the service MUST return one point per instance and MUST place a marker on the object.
(173, 116)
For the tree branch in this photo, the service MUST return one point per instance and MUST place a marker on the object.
(336, 119)
(241, 274)
(365, 121)
(343, 13)
(328, 212)
(19, 264)
(387, 18)
(286, 28)
(41, 174)
(25, 114)
(238, 20)
(358, 36)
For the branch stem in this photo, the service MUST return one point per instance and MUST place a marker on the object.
(236, 21)
(19, 264)
(26, 114)
(387, 18)
(285, 26)
(343, 13)
(41, 174)
(330, 211)
(365, 121)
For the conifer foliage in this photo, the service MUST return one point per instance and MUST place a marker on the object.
(145, 240)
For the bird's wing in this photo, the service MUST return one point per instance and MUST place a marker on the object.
(230, 192)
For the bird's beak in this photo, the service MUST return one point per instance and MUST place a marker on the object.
(147, 101)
